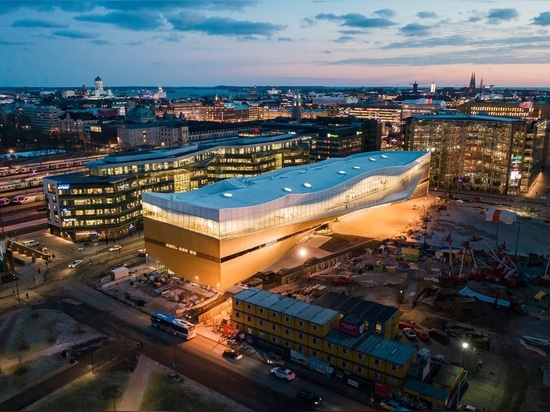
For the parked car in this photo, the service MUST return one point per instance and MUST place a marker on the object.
(283, 373)
(233, 354)
(309, 397)
(114, 248)
(75, 263)
(406, 324)
(409, 333)
(468, 408)
(390, 405)
(273, 359)
(421, 334)
(440, 336)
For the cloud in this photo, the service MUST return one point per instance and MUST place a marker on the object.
(344, 39)
(102, 42)
(219, 26)
(307, 22)
(542, 19)
(282, 39)
(129, 20)
(415, 29)
(161, 6)
(497, 16)
(356, 20)
(528, 50)
(37, 24)
(74, 34)
(13, 43)
(428, 42)
(385, 13)
(463, 43)
(426, 15)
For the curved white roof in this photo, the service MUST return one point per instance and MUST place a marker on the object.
(298, 180)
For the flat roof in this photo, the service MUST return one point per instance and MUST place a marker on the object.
(84, 179)
(287, 306)
(360, 308)
(422, 388)
(290, 181)
(143, 155)
(463, 116)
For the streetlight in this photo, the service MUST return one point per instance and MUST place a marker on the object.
(462, 376)
(464, 346)
(517, 237)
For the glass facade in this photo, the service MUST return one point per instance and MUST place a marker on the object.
(358, 192)
(477, 153)
(106, 203)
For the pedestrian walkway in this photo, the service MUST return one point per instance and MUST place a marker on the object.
(133, 393)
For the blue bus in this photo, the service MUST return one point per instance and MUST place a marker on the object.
(173, 325)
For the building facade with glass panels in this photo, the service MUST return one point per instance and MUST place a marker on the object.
(105, 203)
(479, 153)
(223, 233)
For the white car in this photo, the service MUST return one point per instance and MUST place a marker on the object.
(114, 248)
(283, 373)
(409, 333)
(75, 263)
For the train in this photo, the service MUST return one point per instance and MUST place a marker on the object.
(22, 199)
(47, 166)
(16, 184)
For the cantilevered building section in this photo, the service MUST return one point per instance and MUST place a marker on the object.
(223, 233)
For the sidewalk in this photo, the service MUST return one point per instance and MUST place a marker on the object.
(133, 393)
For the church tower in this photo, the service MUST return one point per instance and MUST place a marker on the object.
(472, 87)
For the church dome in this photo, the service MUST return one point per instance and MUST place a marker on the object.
(98, 79)
(140, 114)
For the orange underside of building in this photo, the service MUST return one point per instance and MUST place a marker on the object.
(221, 263)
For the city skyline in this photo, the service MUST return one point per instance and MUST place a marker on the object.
(343, 43)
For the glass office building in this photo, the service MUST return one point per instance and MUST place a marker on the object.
(478, 153)
(105, 202)
(225, 232)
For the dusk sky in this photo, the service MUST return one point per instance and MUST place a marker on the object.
(275, 42)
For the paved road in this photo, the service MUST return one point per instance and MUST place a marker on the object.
(199, 359)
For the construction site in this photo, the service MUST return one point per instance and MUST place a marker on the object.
(448, 267)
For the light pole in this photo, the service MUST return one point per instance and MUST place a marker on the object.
(464, 346)
(517, 237)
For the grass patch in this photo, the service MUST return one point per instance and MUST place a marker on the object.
(18, 376)
(91, 392)
(164, 394)
(49, 327)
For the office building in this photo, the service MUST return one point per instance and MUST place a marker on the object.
(105, 202)
(478, 153)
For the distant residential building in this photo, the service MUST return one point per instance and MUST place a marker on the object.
(45, 119)
(527, 110)
(156, 134)
(338, 100)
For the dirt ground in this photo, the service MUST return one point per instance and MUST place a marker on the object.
(510, 378)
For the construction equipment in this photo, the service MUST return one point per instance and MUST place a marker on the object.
(501, 270)
(341, 281)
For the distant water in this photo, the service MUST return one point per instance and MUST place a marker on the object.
(174, 93)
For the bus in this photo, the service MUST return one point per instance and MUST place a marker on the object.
(173, 325)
